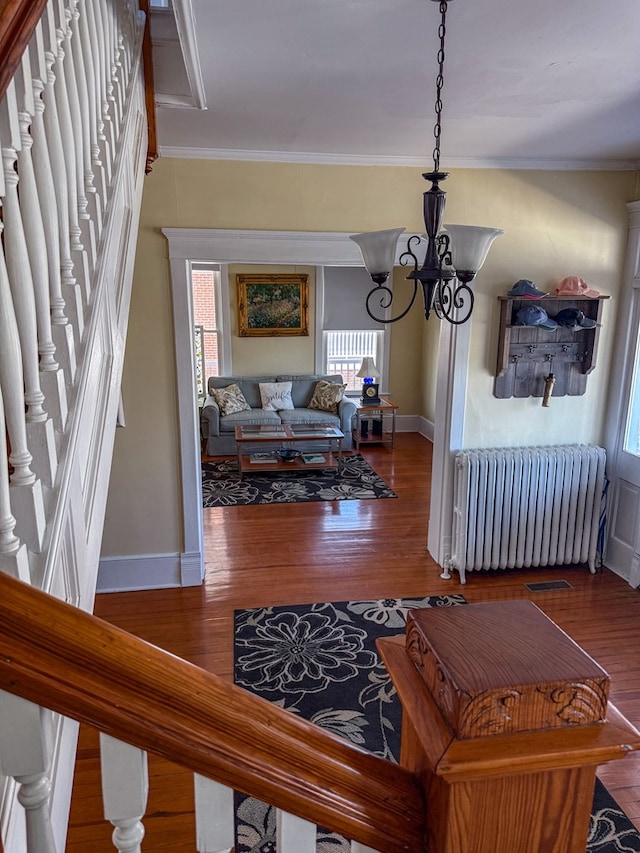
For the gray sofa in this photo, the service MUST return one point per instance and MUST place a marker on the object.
(218, 430)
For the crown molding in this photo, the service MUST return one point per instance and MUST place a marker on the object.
(503, 163)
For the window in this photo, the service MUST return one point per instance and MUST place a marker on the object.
(346, 333)
(205, 287)
(345, 350)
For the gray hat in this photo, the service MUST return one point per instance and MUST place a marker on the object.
(526, 289)
(534, 315)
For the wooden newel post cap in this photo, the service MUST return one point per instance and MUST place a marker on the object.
(504, 667)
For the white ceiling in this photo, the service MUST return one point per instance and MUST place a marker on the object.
(544, 84)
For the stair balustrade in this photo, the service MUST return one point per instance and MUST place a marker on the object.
(145, 699)
(73, 142)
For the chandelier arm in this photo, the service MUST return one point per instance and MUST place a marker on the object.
(385, 301)
(453, 299)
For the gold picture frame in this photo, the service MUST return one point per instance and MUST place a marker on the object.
(273, 305)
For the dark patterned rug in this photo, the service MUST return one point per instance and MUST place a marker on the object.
(320, 661)
(357, 481)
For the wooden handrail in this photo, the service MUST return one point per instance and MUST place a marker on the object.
(82, 667)
(149, 89)
(18, 19)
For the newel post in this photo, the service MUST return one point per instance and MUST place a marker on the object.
(505, 719)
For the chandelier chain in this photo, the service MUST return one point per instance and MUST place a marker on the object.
(437, 130)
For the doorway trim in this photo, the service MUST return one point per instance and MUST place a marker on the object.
(226, 246)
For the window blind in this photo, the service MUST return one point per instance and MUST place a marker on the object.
(345, 292)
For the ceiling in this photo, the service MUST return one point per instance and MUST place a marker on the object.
(550, 84)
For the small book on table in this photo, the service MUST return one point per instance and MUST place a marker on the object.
(313, 458)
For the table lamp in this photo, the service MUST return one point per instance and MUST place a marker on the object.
(368, 372)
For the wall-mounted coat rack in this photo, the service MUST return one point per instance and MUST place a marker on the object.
(527, 354)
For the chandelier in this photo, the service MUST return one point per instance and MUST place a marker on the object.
(453, 256)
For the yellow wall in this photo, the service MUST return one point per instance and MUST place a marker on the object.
(556, 224)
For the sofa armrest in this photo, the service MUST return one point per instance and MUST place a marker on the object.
(210, 418)
(346, 411)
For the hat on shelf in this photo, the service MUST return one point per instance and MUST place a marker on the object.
(527, 289)
(573, 318)
(533, 315)
(573, 285)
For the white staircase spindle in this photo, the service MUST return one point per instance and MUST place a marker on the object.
(115, 98)
(13, 554)
(12, 383)
(88, 212)
(361, 848)
(294, 835)
(64, 115)
(70, 288)
(39, 425)
(214, 816)
(25, 490)
(51, 377)
(25, 754)
(93, 20)
(63, 89)
(87, 239)
(91, 65)
(105, 46)
(62, 331)
(125, 787)
(120, 75)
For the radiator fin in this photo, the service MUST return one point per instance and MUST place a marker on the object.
(525, 507)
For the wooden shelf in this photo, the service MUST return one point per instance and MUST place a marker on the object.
(527, 354)
(297, 464)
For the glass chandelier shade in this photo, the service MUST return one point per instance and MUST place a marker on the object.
(378, 252)
(469, 246)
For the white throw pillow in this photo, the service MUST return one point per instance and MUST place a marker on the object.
(276, 395)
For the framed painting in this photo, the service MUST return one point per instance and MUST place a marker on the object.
(273, 305)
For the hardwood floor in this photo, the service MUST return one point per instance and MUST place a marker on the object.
(288, 554)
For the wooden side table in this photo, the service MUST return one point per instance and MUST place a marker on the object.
(375, 424)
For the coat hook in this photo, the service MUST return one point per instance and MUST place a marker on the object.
(549, 382)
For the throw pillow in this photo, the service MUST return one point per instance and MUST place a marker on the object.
(276, 395)
(230, 399)
(326, 396)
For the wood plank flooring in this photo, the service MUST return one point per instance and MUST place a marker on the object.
(304, 553)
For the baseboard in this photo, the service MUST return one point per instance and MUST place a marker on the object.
(621, 573)
(425, 428)
(149, 571)
(415, 423)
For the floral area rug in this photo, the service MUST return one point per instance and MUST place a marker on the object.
(357, 481)
(320, 661)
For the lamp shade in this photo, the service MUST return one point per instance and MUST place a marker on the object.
(378, 250)
(368, 369)
(470, 245)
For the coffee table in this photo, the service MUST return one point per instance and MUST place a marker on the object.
(258, 446)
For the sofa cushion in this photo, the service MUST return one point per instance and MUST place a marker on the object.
(302, 386)
(326, 396)
(230, 399)
(309, 416)
(249, 416)
(276, 396)
(247, 384)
